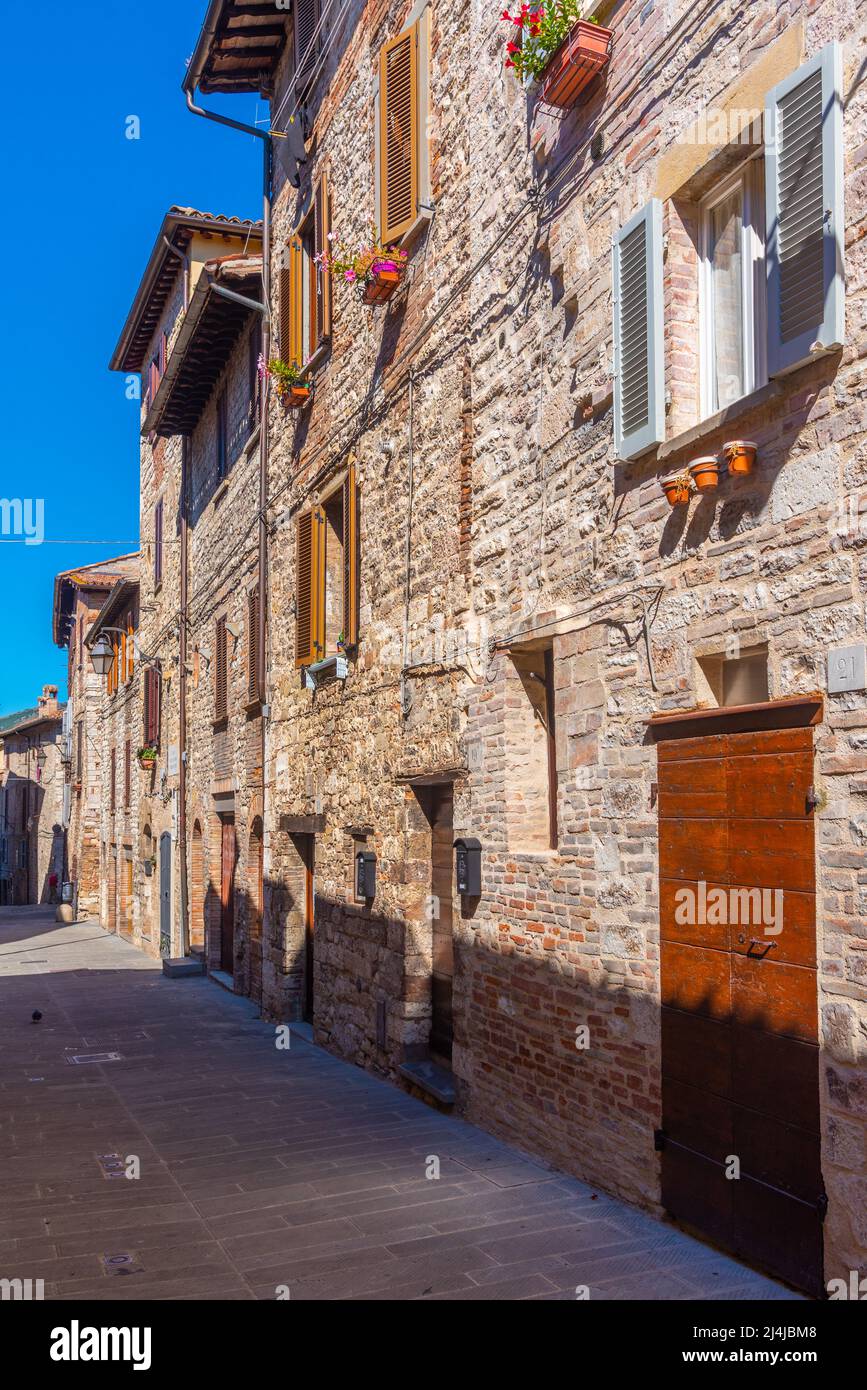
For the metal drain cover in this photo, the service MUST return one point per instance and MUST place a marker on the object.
(79, 1058)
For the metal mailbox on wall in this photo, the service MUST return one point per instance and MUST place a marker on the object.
(365, 874)
(468, 866)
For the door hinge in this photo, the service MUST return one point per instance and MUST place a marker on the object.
(659, 1140)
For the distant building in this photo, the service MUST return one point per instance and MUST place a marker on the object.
(32, 780)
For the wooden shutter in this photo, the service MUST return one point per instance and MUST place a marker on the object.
(254, 379)
(221, 672)
(127, 773)
(350, 558)
(152, 699)
(113, 783)
(158, 543)
(322, 226)
(222, 435)
(398, 134)
(130, 648)
(639, 376)
(307, 48)
(309, 585)
(804, 198)
(292, 303)
(253, 645)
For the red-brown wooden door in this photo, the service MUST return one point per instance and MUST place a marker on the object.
(229, 859)
(740, 1057)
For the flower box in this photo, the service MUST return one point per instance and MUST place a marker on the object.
(297, 396)
(573, 66)
(381, 285)
(147, 764)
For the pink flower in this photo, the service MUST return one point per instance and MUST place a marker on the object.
(349, 275)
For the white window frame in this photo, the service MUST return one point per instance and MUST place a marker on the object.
(753, 295)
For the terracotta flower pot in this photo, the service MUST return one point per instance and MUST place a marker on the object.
(146, 764)
(676, 489)
(381, 286)
(297, 396)
(705, 472)
(740, 455)
(583, 53)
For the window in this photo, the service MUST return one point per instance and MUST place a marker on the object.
(158, 544)
(399, 134)
(305, 293)
(222, 436)
(307, 42)
(768, 243)
(731, 289)
(326, 576)
(254, 380)
(152, 703)
(221, 671)
(530, 728)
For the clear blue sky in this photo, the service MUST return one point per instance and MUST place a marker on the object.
(81, 206)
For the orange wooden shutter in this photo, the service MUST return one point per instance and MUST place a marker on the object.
(253, 645)
(322, 224)
(309, 580)
(398, 134)
(113, 801)
(292, 303)
(350, 558)
(130, 648)
(221, 693)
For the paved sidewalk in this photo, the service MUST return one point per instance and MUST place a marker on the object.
(263, 1169)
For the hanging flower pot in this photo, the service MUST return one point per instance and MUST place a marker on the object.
(146, 758)
(556, 47)
(705, 472)
(290, 381)
(676, 489)
(740, 454)
(382, 281)
(296, 396)
(573, 66)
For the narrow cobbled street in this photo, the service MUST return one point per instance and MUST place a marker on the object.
(269, 1173)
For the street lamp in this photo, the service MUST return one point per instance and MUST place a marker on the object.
(101, 656)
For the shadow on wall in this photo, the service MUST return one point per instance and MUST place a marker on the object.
(580, 1072)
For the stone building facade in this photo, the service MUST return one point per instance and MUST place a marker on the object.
(129, 906)
(198, 351)
(79, 595)
(486, 624)
(32, 778)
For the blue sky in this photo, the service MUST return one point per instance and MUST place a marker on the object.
(82, 206)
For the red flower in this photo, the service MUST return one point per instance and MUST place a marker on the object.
(505, 15)
(534, 31)
(509, 63)
(513, 48)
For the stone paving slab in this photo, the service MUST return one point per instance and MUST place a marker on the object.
(262, 1168)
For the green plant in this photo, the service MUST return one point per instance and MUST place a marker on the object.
(541, 31)
(361, 263)
(285, 374)
(147, 755)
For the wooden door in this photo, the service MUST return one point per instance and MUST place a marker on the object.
(306, 848)
(229, 859)
(740, 1057)
(437, 802)
(165, 894)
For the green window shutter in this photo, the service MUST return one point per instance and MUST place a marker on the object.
(639, 375)
(804, 196)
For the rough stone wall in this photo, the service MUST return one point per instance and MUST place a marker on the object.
(31, 802)
(84, 860)
(524, 525)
